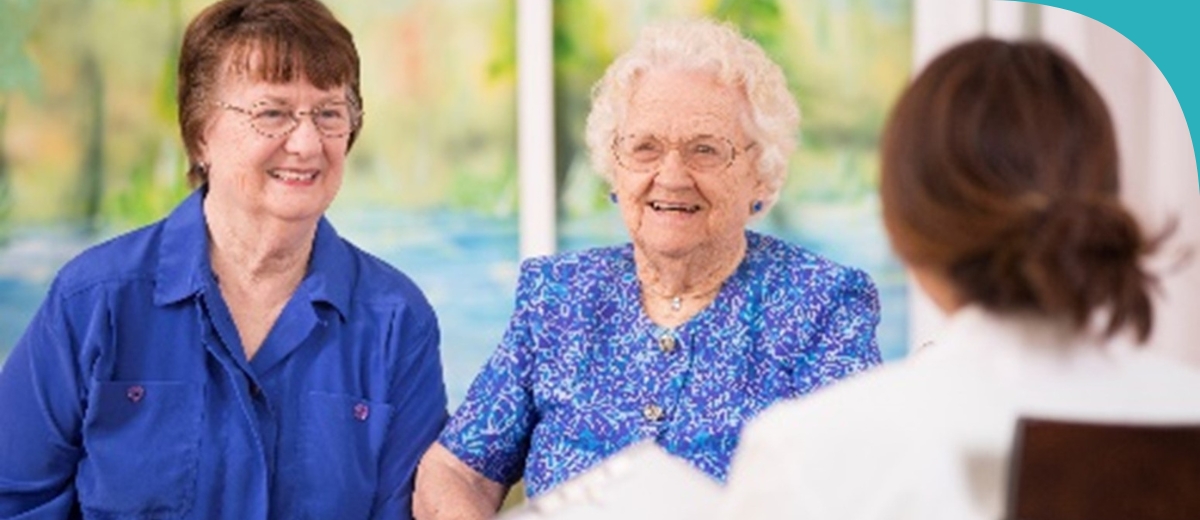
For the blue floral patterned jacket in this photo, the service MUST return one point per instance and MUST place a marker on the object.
(582, 371)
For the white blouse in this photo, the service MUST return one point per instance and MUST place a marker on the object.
(929, 437)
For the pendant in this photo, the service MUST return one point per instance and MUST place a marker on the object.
(676, 303)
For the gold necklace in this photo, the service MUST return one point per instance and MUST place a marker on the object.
(676, 301)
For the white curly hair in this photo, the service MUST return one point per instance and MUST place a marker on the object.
(707, 46)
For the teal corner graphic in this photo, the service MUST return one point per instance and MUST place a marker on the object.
(1166, 30)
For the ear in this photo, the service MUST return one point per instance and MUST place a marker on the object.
(202, 151)
(760, 190)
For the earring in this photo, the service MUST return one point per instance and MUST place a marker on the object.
(756, 207)
(200, 169)
(612, 197)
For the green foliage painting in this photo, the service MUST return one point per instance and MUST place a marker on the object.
(90, 147)
(845, 60)
(88, 112)
(89, 142)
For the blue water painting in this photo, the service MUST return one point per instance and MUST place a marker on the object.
(467, 266)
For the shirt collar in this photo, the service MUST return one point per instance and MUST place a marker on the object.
(332, 271)
(1025, 336)
(183, 266)
(184, 269)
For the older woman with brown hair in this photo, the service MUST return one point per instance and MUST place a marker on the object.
(237, 359)
(687, 332)
(1000, 192)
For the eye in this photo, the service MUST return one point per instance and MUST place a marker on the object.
(708, 152)
(706, 147)
(644, 148)
(271, 115)
(333, 113)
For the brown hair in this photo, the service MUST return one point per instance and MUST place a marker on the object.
(277, 41)
(1000, 172)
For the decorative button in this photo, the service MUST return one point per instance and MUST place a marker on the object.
(652, 412)
(361, 411)
(666, 342)
(135, 393)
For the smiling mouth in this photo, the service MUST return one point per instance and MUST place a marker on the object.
(670, 206)
(293, 175)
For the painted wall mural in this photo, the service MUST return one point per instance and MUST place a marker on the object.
(89, 144)
(846, 61)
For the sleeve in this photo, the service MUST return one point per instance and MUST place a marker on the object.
(491, 430)
(41, 403)
(844, 336)
(419, 396)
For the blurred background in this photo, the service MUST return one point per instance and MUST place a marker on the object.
(1158, 159)
(89, 144)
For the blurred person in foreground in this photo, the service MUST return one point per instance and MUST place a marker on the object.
(1000, 192)
(687, 332)
(237, 359)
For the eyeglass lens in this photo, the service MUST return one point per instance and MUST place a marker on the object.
(333, 120)
(645, 152)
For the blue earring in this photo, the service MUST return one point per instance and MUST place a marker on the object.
(756, 207)
(612, 196)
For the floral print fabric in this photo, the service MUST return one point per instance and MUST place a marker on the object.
(582, 372)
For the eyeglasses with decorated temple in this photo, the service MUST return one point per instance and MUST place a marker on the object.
(701, 153)
(273, 120)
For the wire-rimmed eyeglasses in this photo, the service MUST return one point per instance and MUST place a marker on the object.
(701, 153)
(271, 120)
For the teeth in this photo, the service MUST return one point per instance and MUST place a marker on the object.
(659, 206)
(292, 176)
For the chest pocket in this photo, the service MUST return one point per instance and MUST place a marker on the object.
(341, 442)
(141, 441)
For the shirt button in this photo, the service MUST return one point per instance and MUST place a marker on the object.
(361, 411)
(652, 412)
(666, 342)
(135, 393)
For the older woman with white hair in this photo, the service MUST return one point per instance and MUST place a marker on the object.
(686, 333)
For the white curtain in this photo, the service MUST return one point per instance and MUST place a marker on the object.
(1158, 164)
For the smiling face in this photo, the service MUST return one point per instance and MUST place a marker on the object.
(290, 178)
(674, 210)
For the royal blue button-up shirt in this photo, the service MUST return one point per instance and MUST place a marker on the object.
(130, 395)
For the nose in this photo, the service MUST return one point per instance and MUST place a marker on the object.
(305, 138)
(672, 172)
